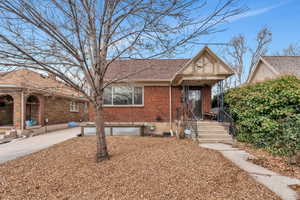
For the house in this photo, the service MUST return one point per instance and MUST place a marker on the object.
(31, 100)
(159, 93)
(270, 67)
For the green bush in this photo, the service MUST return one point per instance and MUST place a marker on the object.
(267, 114)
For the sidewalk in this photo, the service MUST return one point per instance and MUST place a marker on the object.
(275, 182)
(21, 147)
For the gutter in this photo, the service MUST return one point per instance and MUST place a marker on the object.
(22, 111)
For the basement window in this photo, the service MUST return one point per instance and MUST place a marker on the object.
(74, 106)
(123, 96)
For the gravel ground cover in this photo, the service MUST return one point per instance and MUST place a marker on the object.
(139, 168)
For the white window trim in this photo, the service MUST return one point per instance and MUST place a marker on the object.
(74, 104)
(132, 105)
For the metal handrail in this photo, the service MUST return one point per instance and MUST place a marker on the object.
(229, 119)
(193, 126)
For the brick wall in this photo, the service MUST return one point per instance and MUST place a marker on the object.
(57, 110)
(156, 104)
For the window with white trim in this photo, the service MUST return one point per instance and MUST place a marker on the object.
(123, 95)
(74, 106)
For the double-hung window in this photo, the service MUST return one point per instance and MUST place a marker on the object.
(74, 107)
(123, 96)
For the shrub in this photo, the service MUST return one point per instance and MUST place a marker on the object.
(268, 114)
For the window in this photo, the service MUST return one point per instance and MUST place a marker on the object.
(74, 107)
(86, 107)
(123, 95)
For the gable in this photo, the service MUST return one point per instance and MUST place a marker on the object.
(262, 71)
(205, 65)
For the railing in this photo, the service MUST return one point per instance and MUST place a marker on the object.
(223, 116)
(189, 121)
(191, 124)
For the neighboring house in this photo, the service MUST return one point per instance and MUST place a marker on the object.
(158, 90)
(270, 67)
(26, 96)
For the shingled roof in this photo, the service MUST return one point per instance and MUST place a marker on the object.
(284, 64)
(145, 69)
(25, 78)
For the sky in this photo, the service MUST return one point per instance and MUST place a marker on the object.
(282, 17)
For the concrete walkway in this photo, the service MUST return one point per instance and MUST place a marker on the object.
(21, 147)
(275, 182)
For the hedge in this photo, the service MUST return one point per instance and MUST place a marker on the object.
(267, 114)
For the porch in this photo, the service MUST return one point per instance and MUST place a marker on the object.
(197, 78)
(19, 110)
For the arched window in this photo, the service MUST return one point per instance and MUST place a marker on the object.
(6, 110)
(32, 111)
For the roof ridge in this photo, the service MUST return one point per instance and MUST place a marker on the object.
(160, 59)
(281, 56)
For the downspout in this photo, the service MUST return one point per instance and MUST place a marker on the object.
(170, 108)
(22, 111)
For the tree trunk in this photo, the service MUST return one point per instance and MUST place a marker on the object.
(102, 153)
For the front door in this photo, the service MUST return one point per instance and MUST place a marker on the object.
(195, 102)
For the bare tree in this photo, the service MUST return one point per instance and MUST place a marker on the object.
(263, 39)
(238, 50)
(78, 40)
(292, 50)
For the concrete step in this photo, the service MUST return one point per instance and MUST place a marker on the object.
(212, 132)
(212, 128)
(215, 136)
(227, 141)
(211, 123)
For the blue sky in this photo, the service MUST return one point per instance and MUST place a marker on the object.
(282, 17)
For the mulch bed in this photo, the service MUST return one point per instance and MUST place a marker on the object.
(139, 168)
(277, 164)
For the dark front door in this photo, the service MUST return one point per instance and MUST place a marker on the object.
(195, 102)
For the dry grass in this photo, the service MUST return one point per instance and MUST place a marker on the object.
(140, 168)
(277, 164)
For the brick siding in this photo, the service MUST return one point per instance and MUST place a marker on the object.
(57, 110)
(156, 103)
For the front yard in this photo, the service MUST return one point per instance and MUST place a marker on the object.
(140, 168)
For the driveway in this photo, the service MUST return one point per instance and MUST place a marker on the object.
(18, 148)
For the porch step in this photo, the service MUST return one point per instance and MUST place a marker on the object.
(212, 131)
(212, 123)
(212, 128)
